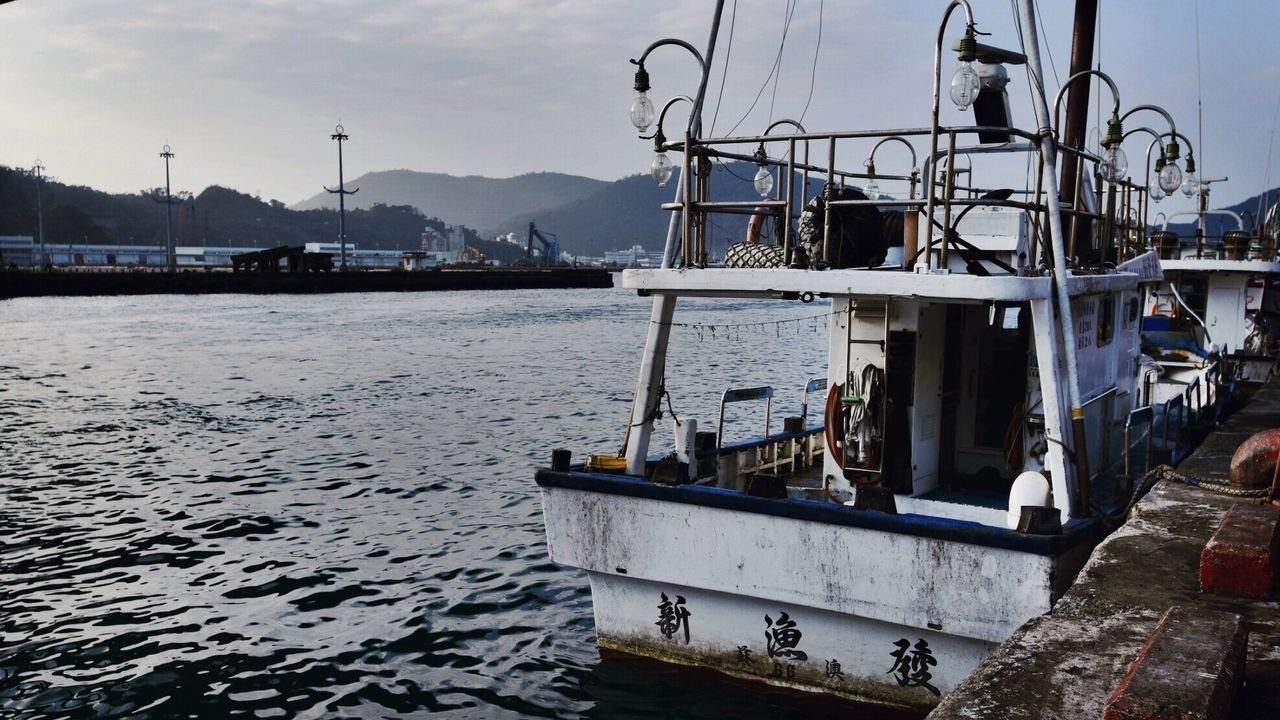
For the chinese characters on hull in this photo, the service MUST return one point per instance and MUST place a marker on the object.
(781, 640)
(911, 666)
(673, 617)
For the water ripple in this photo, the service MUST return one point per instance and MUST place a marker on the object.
(319, 506)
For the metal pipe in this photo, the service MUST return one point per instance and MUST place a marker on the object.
(1048, 150)
(937, 109)
(1057, 99)
(791, 173)
(1154, 108)
(653, 364)
(1228, 213)
(948, 191)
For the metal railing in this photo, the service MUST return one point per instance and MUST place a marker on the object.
(1143, 412)
(942, 202)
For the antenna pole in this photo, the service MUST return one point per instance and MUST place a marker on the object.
(341, 192)
(39, 169)
(171, 251)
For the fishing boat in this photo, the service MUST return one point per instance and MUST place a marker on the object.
(981, 425)
(1209, 329)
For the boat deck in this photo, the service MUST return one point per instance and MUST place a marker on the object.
(890, 282)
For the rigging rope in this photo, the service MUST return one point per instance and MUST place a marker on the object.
(813, 73)
(776, 62)
(773, 97)
(1048, 50)
(1199, 95)
(1266, 177)
(733, 21)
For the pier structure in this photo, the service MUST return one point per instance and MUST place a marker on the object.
(15, 284)
(1174, 615)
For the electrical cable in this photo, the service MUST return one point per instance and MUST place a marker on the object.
(1199, 96)
(773, 97)
(1048, 50)
(1017, 20)
(813, 74)
(786, 26)
(733, 20)
(1193, 314)
(1266, 178)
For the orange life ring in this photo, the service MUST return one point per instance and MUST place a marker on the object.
(833, 425)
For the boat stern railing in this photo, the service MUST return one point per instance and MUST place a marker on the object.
(1115, 214)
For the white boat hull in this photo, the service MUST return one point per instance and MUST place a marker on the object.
(856, 593)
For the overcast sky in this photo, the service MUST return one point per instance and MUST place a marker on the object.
(247, 91)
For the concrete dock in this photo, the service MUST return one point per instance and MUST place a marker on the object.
(1079, 660)
(19, 283)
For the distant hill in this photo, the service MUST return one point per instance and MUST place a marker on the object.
(218, 216)
(474, 201)
(1216, 224)
(628, 212)
(592, 218)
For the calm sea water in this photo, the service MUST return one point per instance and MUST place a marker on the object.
(317, 506)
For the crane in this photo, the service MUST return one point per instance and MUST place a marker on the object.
(550, 246)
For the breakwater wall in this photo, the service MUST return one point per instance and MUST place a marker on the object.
(1138, 635)
(15, 284)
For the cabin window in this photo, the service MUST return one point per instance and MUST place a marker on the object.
(1004, 317)
(1106, 321)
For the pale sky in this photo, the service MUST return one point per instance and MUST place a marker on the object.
(247, 91)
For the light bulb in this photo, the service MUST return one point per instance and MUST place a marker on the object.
(1114, 163)
(1191, 184)
(1155, 192)
(764, 181)
(964, 86)
(1170, 177)
(871, 189)
(661, 169)
(642, 111)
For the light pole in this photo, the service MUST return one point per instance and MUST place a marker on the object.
(341, 192)
(39, 170)
(653, 366)
(171, 254)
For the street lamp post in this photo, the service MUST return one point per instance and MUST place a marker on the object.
(342, 192)
(171, 255)
(39, 170)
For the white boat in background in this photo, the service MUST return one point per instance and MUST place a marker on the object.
(1209, 328)
(982, 416)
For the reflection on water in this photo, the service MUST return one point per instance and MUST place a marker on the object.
(315, 506)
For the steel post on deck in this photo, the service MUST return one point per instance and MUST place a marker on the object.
(1066, 325)
(653, 362)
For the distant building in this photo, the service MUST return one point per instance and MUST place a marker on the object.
(22, 251)
(636, 257)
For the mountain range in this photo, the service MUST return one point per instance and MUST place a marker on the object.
(393, 210)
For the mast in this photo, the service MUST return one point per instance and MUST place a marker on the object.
(1066, 326)
(1082, 39)
(653, 364)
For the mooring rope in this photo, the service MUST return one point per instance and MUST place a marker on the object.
(1164, 472)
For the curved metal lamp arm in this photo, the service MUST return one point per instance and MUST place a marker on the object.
(1175, 134)
(1146, 130)
(872, 157)
(694, 126)
(1154, 143)
(1155, 108)
(785, 121)
(670, 41)
(662, 116)
(937, 100)
(1057, 99)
